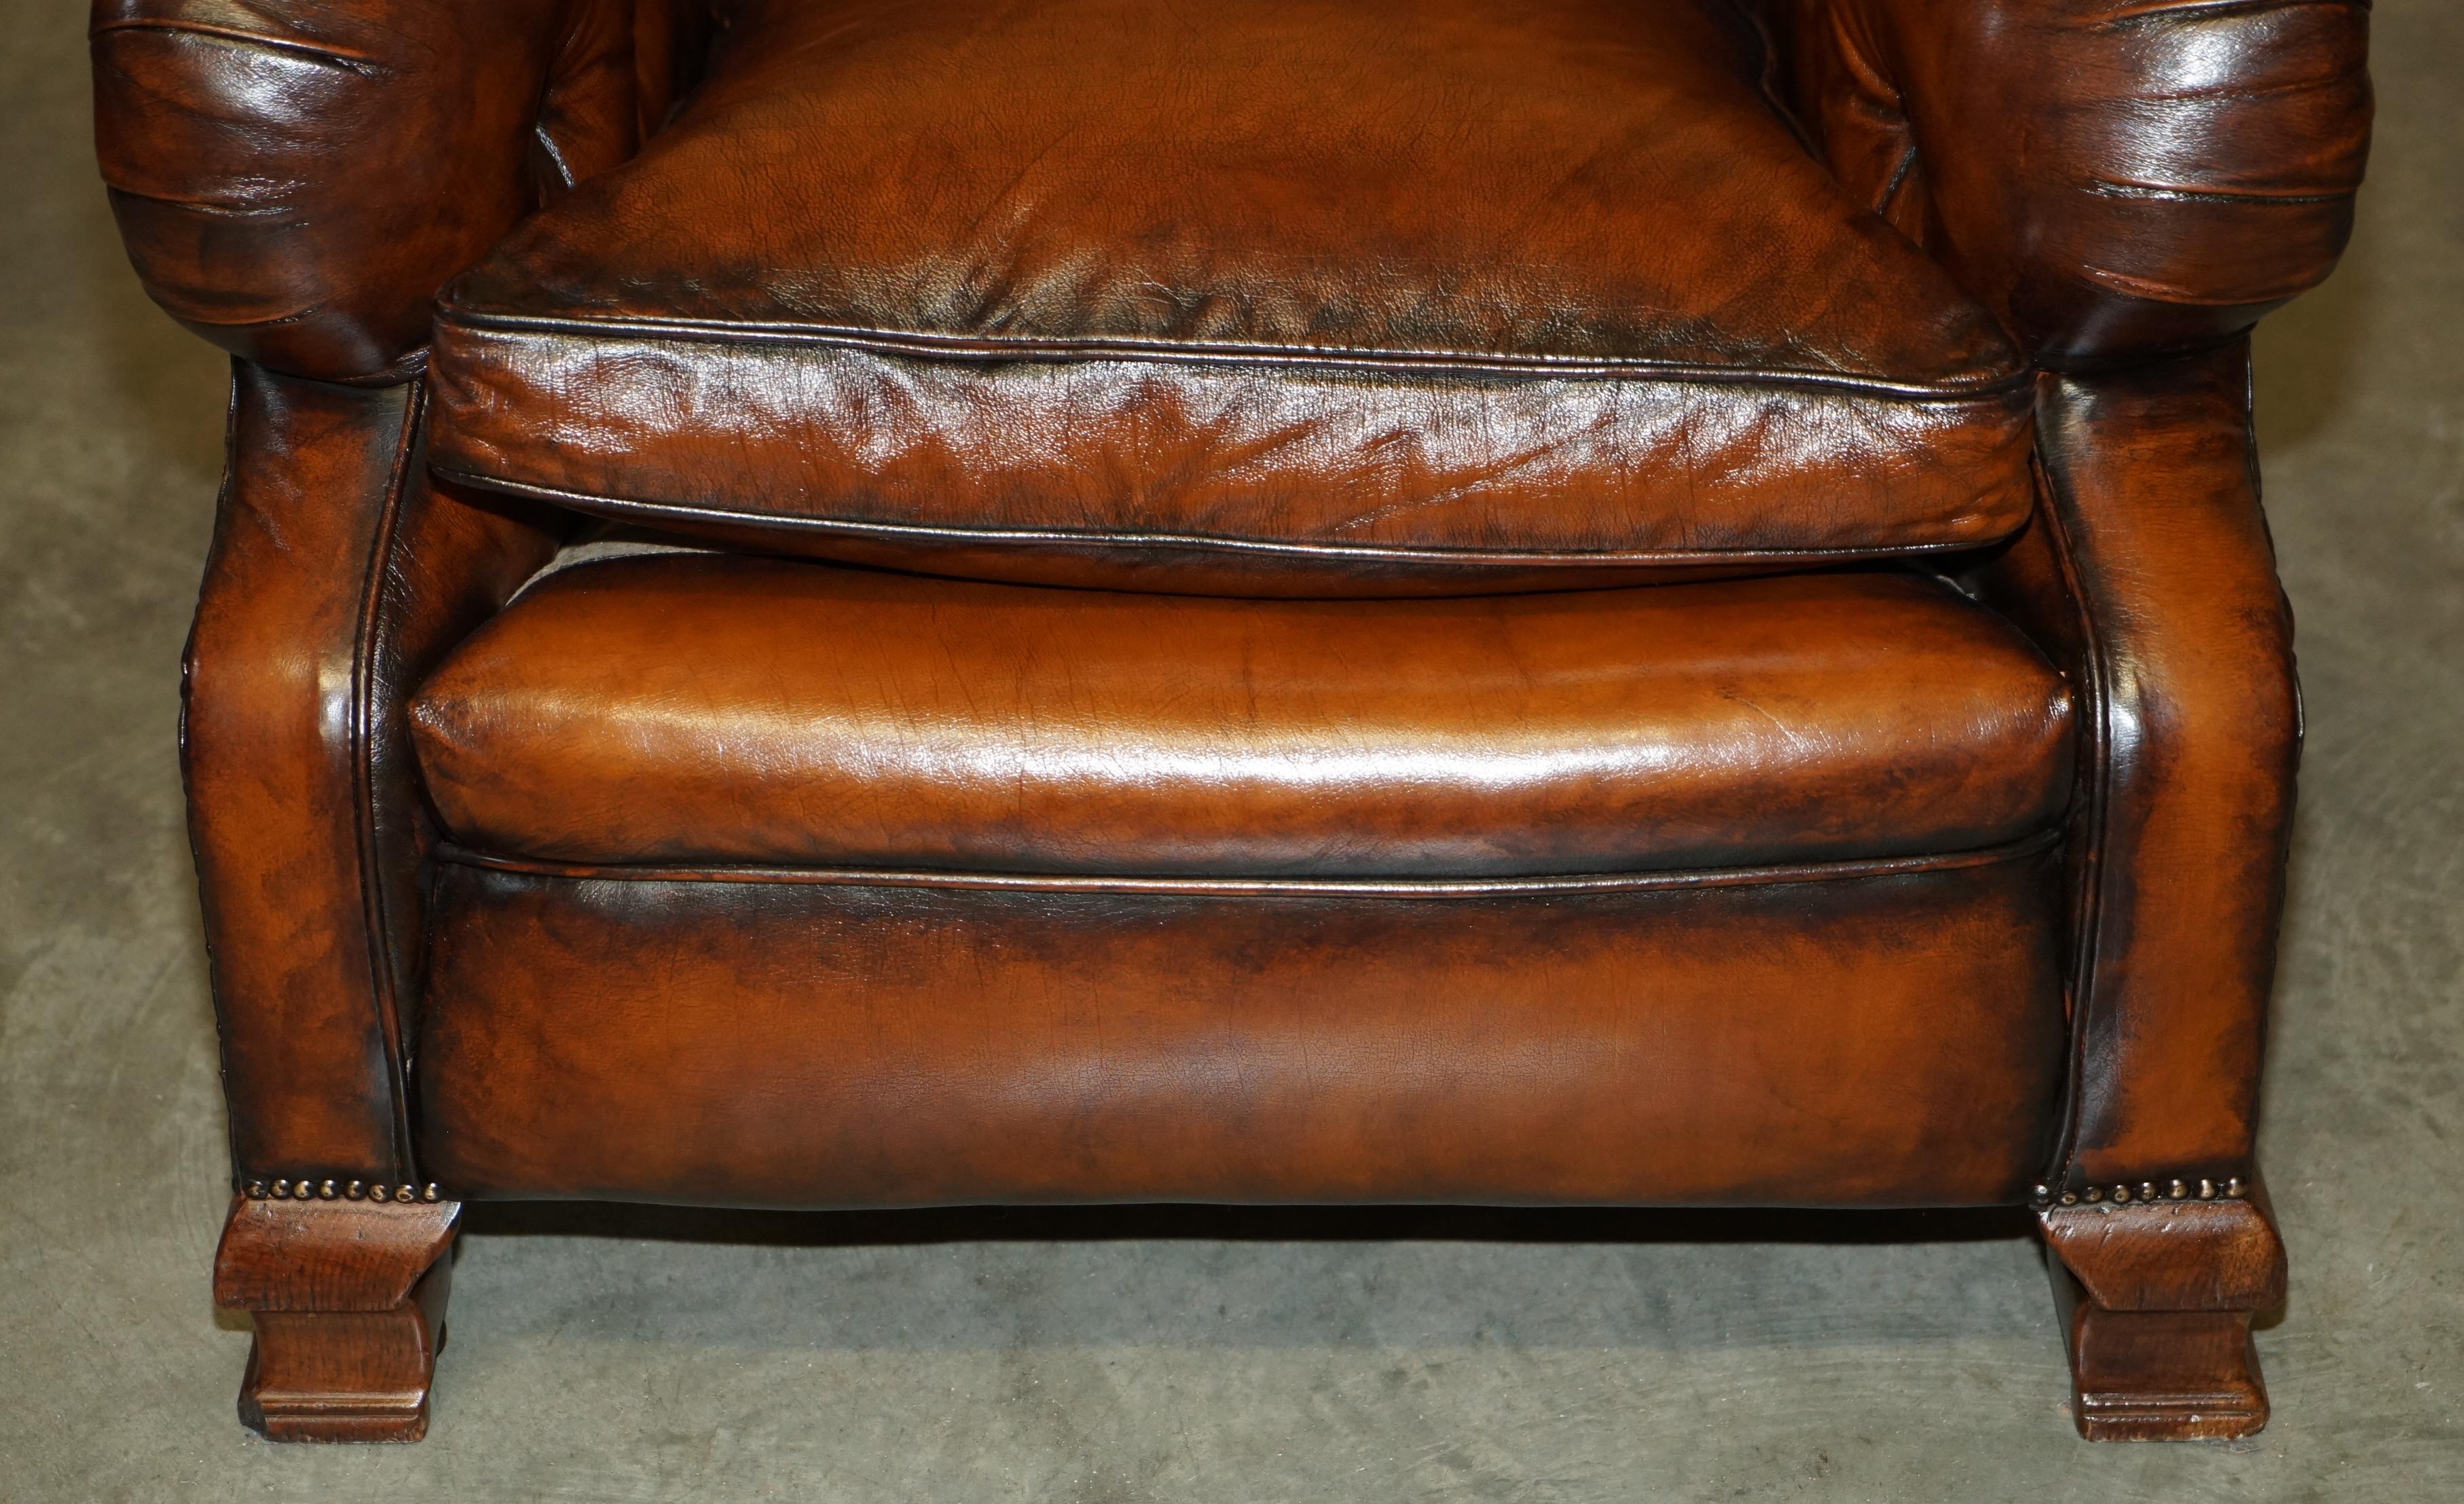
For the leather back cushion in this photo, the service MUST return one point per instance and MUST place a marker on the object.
(1289, 296)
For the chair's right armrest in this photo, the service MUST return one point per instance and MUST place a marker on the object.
(295, 179)
(2117, 179)
(2148, 577)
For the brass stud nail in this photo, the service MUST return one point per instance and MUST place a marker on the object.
(282, 1188)
(380, 1192)
(2233, 1187)
(325, 1191)
(2147, 1191)
(256, 1190)
(2181, 1190)
(2043, 1193)
(402, 1193)
(2206, 1190)
(427, 1192)
(2069, 1197)
(2121, 1193)
(2096, 1193)
(355, 1190)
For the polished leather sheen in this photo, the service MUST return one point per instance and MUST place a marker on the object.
(704, 709)
(2150, 577)
(296, 177)
(272, 744)
(535, 866)
(1827, 1040)
(1287, 297)
(339, 575)
(2114, 177)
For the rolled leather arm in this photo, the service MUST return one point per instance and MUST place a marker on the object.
(295, 179)
(2115, 178)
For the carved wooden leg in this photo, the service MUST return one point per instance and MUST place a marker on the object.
(348, 1300)
(2156, 1301)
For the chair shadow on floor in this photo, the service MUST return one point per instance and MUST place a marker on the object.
(1869, 1314)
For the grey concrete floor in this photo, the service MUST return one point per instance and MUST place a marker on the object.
(604, 1355)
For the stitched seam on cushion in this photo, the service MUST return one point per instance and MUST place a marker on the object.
(1664, 880)
(785, 521)
(383, 944)
(976, 347)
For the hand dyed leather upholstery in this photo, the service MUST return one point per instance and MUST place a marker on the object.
(338, 574)
(1386, 295)
(710, 879)
(674, 709)
(2150, 578)
(2114, 177)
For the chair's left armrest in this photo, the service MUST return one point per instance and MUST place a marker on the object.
(295, 179)
(341, 573)
(2116, 178)
(2148, 577)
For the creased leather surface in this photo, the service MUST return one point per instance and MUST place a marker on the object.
(2115, 177)
(720, 709)
(295, 179)
(1882, 1041)
(1412, 284)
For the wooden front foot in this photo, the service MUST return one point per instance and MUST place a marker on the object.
(347, 1297)
(2156, 1301)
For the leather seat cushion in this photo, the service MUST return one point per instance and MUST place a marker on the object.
(694, 709)
(1280, 296)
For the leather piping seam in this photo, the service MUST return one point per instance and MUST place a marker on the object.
(188, 765)
(2095, 724)
(899, 532)
(1577, 885)
(920, 345)
(363, 727)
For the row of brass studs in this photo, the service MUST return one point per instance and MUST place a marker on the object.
(2230, 1189)
(339, 1190)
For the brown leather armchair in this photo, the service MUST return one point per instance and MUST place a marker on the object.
(842, 604)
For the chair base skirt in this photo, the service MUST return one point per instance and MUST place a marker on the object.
(1856, 1034)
